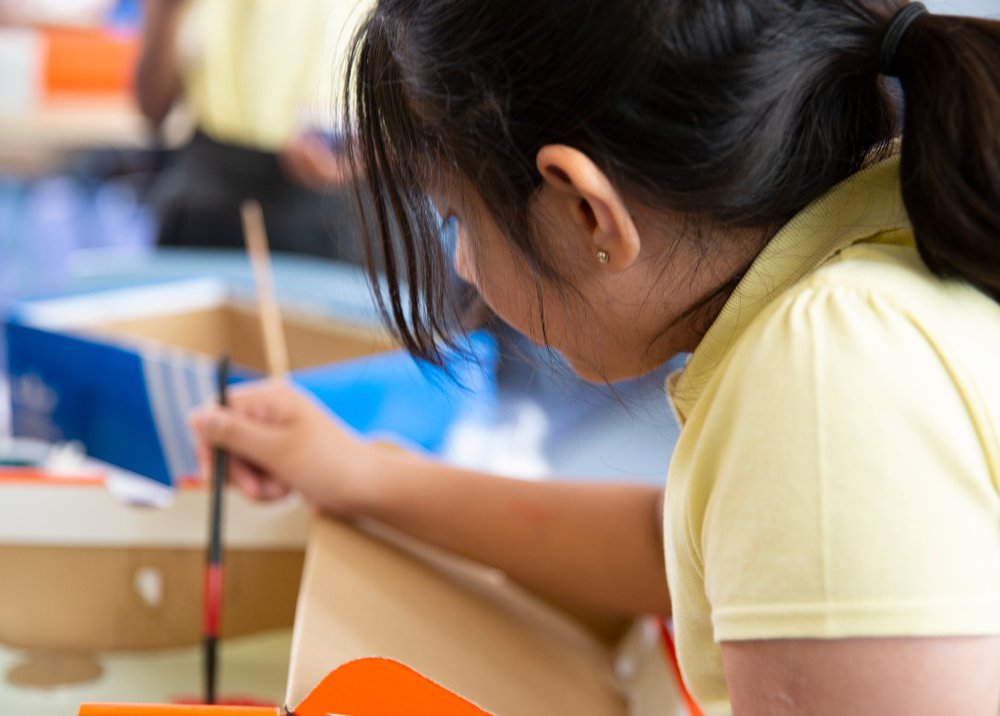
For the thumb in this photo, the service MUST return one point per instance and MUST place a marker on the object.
(244, 437)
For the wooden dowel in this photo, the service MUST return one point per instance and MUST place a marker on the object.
(275, 348)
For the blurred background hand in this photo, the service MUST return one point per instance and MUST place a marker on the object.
(310, 161)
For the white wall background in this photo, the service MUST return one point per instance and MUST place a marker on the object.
(986, 8)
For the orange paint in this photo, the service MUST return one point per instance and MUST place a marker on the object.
(85, 61)
(670, 652)
(382, 687)
(366, 687)
(34, 475)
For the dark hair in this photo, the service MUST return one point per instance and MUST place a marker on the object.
(949, 68)
(737, 113)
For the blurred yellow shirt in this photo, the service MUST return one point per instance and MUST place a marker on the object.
(838, 472)
(257, 72)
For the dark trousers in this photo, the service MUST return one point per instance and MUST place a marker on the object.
(197, 201)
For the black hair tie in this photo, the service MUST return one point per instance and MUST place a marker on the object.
(893, 35)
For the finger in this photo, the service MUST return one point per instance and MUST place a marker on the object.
(239, 434)
(273, 490)
(256, 484)
(272, 400)
(246, 479)
(203, 455)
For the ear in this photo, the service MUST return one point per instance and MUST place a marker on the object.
(583, 191)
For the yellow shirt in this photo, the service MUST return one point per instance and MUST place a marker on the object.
(838, 472)
(256, 72)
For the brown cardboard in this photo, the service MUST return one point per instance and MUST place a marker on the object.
(85, 597)
(81, 571)
(464, 627)
(81, 593)
(235, 329)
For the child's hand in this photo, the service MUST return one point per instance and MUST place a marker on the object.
(279, 440)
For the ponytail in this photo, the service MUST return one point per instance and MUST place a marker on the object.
(949, 69)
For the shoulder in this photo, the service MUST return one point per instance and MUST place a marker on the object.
(892, 273)
(846, 477)
(867, 354)
(875, 306)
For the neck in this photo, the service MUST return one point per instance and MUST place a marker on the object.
(723, 260)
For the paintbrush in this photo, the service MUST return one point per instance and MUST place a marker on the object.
(213, 568)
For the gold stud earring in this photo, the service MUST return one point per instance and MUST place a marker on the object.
(603, 256)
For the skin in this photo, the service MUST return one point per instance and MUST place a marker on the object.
(619, 320)
(567, 540)
(158, 76)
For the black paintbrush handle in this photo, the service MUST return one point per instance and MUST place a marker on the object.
(211, 648)
(213, 570)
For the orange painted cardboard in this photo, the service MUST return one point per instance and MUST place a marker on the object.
(364, 687)
(460, 625)
(382, 687)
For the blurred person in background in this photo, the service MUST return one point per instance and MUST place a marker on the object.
(249, 72)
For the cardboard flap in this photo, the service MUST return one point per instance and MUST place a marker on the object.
(482, 638)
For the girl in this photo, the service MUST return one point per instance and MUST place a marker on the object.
(638, 178)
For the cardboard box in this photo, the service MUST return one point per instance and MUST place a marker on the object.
(370, 591)
(82, 571)
(121, 370)
(463, 627)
